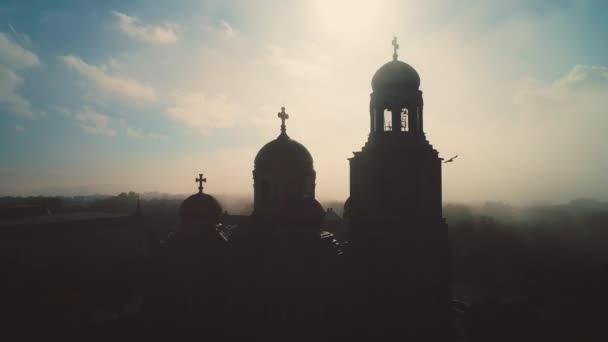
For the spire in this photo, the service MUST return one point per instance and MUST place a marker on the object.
(395, 48)
(284, 116)
(200, 180)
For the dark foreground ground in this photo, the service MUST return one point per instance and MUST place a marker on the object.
(538, 273)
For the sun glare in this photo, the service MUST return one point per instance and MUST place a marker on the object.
(351, 17)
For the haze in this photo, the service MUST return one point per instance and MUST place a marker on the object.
(115, 96)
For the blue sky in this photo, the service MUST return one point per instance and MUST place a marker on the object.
(142, 95)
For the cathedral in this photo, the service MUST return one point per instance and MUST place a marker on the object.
(283, 273)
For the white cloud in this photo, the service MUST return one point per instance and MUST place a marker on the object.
(139, 133)
(159, 34)
(582, 92)
(136, 133)
(202, 113)
(93, 122)
(9, 98)
(295, 64)
(13, 58)
(111, 85)
(223, 30)
(583, 77)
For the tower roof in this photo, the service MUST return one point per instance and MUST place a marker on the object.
(283, 150)
(200, 209)
(396, 74)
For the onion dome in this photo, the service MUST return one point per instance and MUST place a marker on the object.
(396, 74)
(200, 209)
(283, 151)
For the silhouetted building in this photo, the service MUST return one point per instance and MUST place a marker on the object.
(285, 275)
(283, 172)
(190, 272)
(281, 274)
(398, 234)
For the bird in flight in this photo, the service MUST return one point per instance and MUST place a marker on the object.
(451, 159)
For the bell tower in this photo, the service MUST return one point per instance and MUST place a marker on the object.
(398, 234)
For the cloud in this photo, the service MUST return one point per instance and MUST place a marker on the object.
(223, 30)
(202, 113)
(21, 36)
(158, 34)
(560, 133)
(136, 133)
(303, 67)
(582, 92)
(14, 58)
(111, 85)
(584, 77)
(140, 134)
(92, 122)
(9, 98)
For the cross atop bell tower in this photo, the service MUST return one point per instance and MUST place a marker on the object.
(395, 48)
(283, 116)
(200, 180)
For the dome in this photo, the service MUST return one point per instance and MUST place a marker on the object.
(283, 150)
(396, 74)
(200, 209)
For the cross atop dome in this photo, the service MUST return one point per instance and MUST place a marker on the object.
(395, 48)
(200, 180)
(283, 116)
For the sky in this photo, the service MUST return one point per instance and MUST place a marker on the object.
(111, 96)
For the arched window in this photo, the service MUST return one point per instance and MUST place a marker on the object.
(404, 120)
(388, 121)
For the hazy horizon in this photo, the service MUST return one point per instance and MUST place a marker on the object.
(118, 96)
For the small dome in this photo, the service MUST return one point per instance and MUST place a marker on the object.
(200, 209)
(396, 74)
(285, 151)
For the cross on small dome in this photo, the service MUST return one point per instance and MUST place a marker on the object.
(395, 48)
(283, 116)
(200, 180)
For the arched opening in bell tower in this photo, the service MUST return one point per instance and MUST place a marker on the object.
(388, 121)
(404, 120)
(396, 120)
